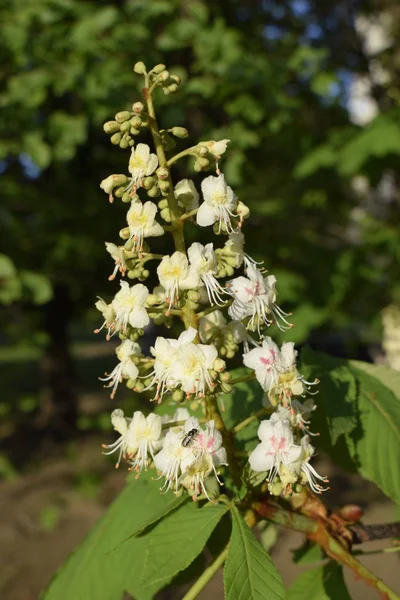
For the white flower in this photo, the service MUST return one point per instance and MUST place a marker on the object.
(203, 260)
(174, 274)
(216, 148)
(254, 296)
(277, 448)
(108, 315)
(142, 163)
(276, 370)
(219, 203)
(118, 253)
(165, 352)
(192, 368)
(303, 469)
(186, 194)
(173, 458)
(128, 305)
(234, 247)
(126, 369)
(141, 222)
(139, 437)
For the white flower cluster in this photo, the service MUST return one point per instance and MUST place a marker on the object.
(237, 307)
(182, 451)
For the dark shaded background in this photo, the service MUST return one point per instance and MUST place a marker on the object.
(309, 94)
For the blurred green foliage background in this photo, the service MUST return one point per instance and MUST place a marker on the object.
(318, 168)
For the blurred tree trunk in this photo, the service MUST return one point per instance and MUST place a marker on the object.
(59, 403)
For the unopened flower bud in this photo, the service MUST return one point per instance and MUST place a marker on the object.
(125, 126)
(140, 68)
(276, 489)
(164, 76)
(124, 233)
(139, 387)
(133, 273)
(226, 376)
(163, 204)
(179, 132)
(119, 192)
(166, 215)
(176, 78)
(153, 192)
(178, 396)
(137, 107)
(196, 166)
(219, 364)
(193, 295)
(201, 150)
(173, 88)
(111, 126)
(164, 186)
(226, 388)
(242, 210)
(158, 69)
(162, 173)
(122, 116)
(116, 138)
(124, 143)
(148, 183)
(134, 131)
(145, 274)
(203, 162)
(136, 122)
(131, 383)
(126, 197)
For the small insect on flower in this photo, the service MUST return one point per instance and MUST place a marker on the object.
(189, 437)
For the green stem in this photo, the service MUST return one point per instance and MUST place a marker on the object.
(253, 417)
(207, 575)
(212, 309)
(248, 377)
(177, 226)
(187, 152)
(188, 214)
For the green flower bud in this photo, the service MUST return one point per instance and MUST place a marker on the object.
(162, 173)
(242, 210)
(201, 150)
(222, 351)
(229, 270)
(136, 122)
(164, 186)
(203, 162)
(145, 273)
(276, 489)
(226, 376)
(130, 384)
(111, 126)
(125, 126)
(124, 233)
(298, 488)
(134, 131)
(166, 215)
(148, 183)
(196, 167)
(226, 388)
(139, 387)
(158, 69)
(173, 88)
(179, 132)
(164, 76)
(131, 142)
(219, 365)
(193, 295)
(119, 192)
(140, 68)
(178, 396)
(153, 192)
(176, 78)
(124, 143)
(122, 116)
(116, 138)
(126, 197)
(137, 107)
(163, 204)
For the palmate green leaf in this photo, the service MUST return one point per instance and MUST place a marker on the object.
(324, 583)
(367, 414)
(103, 567)
(249, 572)
(177, 540)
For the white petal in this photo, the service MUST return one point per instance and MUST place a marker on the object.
(139, 318)
(259, 459)
(206, 215)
